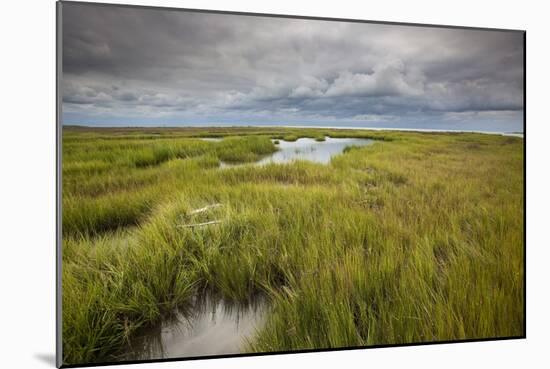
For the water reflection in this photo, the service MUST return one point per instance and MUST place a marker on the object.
(308, 149)
(211, 326)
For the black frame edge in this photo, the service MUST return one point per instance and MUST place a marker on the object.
(525, 184)
(304, 351)
(58, 183)
(289, 16)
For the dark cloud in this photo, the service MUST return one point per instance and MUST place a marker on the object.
(125, 64)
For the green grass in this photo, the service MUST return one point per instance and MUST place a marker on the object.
(418, 237)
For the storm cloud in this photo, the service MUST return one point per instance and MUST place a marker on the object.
(135, 66)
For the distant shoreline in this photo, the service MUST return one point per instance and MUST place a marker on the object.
(514, 134)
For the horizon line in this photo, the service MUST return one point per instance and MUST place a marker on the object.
(516, 133)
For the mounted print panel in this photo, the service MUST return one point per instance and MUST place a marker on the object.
(236, 184)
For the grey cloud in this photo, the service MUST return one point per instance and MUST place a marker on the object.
(127, 62)
(388, 78)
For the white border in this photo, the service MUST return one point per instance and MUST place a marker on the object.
(27, 202)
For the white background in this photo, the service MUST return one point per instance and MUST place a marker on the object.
(27, 182)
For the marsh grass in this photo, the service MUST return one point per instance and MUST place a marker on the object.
(418, 237)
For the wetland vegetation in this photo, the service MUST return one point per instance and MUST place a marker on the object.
(415, 237)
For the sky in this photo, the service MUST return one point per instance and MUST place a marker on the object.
(125, 66)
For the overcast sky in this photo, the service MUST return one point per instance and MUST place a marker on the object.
(130, 66)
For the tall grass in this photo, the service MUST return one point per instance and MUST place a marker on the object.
(418, 237)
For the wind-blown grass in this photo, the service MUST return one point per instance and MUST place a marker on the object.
(418, 237)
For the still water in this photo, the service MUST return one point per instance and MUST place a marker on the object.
(308, 149)
(210, 327)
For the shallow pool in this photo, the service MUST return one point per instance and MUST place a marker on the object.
(209, 327)
(307, 149)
